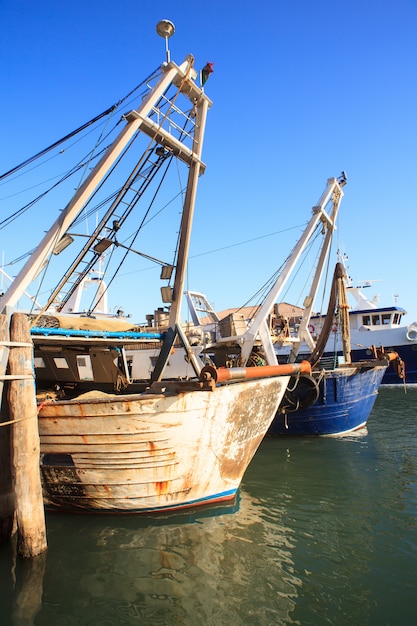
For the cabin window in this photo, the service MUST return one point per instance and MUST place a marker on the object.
(39, 362)
(386, 318)
(376, 320)
(154, 360)
(366, 320)
(61, 363)
(397, 318)
(85, 369)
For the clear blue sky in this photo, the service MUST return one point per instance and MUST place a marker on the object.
(301, 91)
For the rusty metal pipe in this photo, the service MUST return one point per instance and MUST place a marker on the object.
(244, 373)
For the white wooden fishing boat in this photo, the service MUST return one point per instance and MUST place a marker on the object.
(165, 449)
(140, 446)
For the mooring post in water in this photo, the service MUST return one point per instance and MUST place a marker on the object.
(30, 514)
(7, 526)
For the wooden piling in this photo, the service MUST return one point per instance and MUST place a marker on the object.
(30, 513)
(7, 517)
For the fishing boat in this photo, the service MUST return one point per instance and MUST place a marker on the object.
(336, 397)
(110, 442)
(370, 325)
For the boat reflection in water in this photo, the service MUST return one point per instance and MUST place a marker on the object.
(165, 569)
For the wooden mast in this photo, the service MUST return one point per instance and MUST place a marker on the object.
(343, 314)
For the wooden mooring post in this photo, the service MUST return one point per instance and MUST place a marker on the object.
(7, 513)
(30, 514)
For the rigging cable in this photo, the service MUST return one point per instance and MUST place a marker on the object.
(133, 203)
(27, 206)
(260, 294)
(171, 106)
(76, 131)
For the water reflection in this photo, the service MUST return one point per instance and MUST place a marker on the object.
(323, 531)
(27, 597)
(351, 505)
(222, 566)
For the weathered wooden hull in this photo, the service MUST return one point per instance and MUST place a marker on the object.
(153, 451)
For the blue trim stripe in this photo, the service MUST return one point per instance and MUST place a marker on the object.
(225, 495)
(66, 332)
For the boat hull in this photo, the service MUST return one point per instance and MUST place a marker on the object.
(153, 451)
(345, 401)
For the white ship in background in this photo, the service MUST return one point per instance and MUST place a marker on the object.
(370, 325)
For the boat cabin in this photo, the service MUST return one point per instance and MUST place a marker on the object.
(366, 319)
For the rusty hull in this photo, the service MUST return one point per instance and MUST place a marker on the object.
(153, 451)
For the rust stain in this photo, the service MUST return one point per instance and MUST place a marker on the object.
(247, 430)
(162, 487)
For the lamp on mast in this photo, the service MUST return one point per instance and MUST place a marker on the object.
(165, 29)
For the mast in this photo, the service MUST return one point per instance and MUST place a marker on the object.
(303, 331)
(187, 216)
(202, 106)
(183, 77)
(259, 325)
(344, 315)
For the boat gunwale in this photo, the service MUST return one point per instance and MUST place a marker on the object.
(168, 389)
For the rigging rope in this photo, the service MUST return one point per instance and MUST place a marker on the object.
(57, 143)
(260, 294)
(329, 319)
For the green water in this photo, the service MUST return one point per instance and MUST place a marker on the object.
(323, 532)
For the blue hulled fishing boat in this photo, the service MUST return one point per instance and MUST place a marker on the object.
(338, 395)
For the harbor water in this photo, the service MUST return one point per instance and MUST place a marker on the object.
(324, 531)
